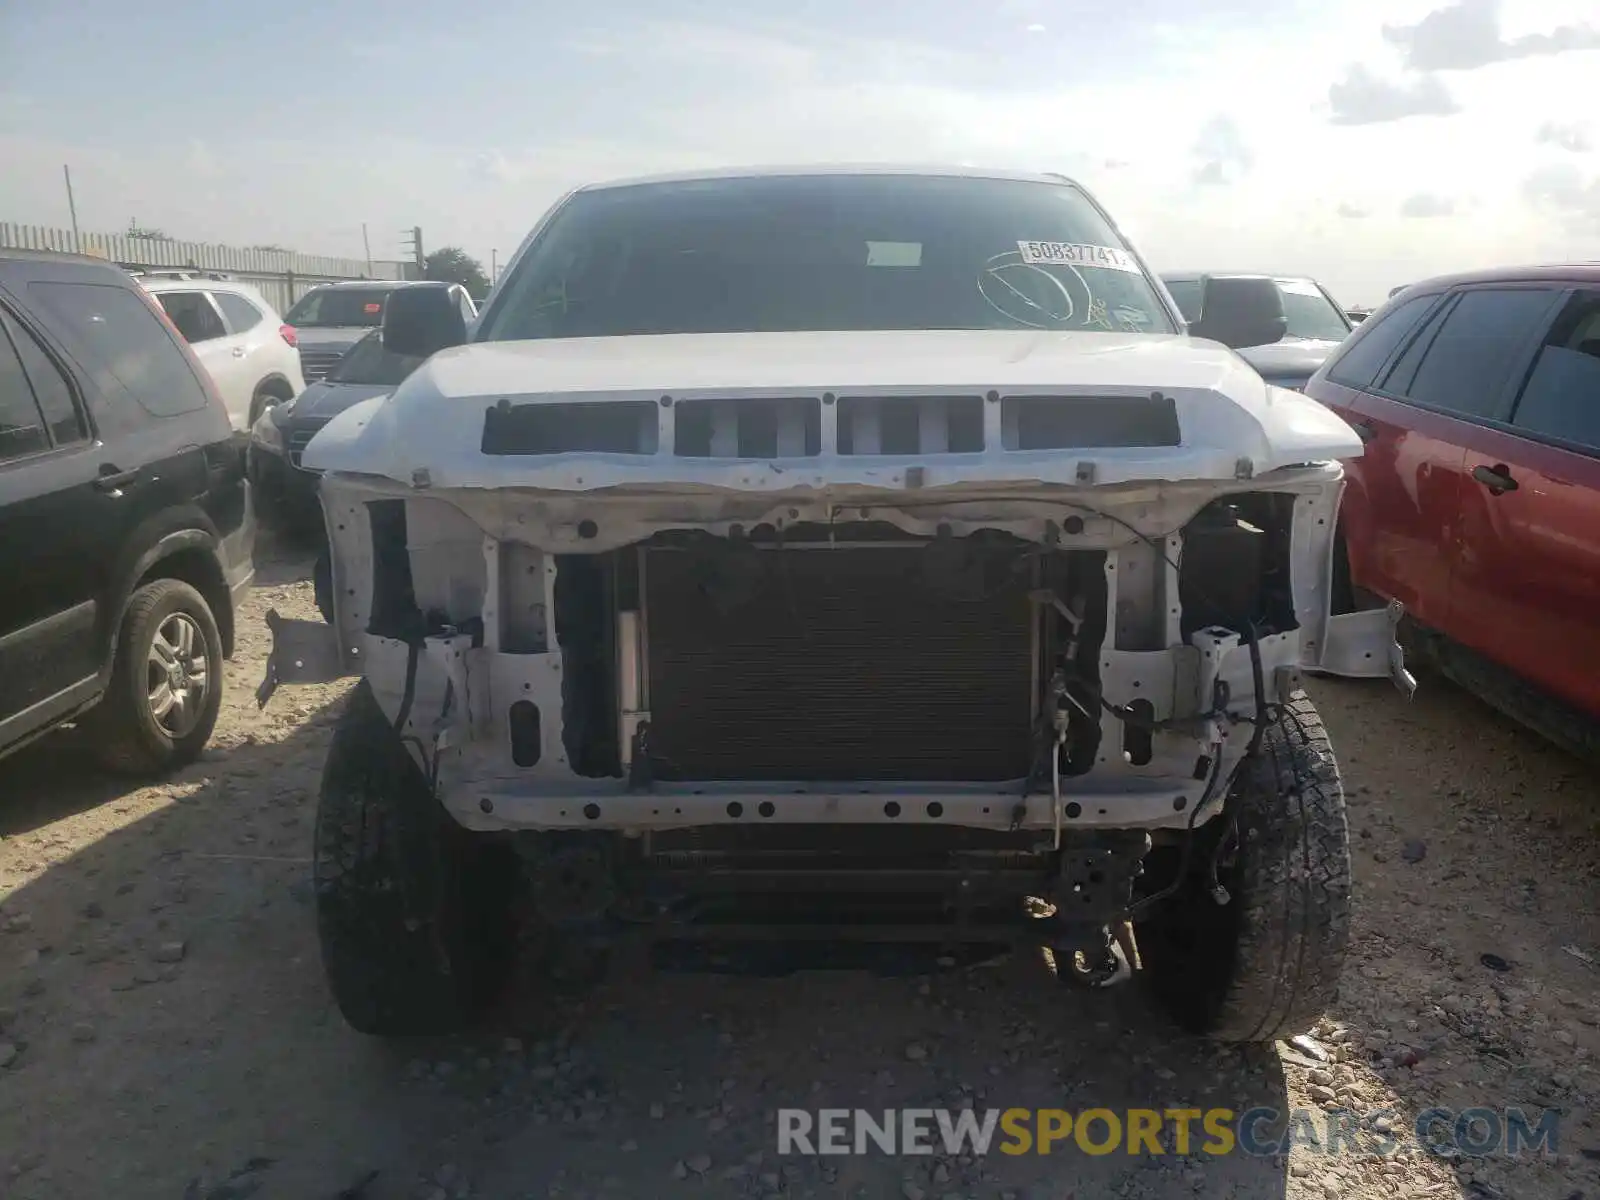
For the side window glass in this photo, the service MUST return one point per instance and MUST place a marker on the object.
(22, 429)
(241, 314)
(50, 386)
(1357, 363)
(1469, 360)
(307, 310)
(114, 329)
(1187, 293)
(1562, 396)
(1403, 373)
(194, 315)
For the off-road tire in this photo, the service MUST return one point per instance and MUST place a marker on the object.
(1265, 965)
(122, 729)
(413, 911)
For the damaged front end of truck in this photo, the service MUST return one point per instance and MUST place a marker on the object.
(807, 658)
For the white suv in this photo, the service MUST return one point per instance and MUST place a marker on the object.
(240, 338)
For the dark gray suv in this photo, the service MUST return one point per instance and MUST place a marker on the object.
(285, 491)
(1317, 324)
(332, 317)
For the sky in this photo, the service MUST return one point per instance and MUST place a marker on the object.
(1368, 143)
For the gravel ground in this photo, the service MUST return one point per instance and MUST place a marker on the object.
(165, 1031)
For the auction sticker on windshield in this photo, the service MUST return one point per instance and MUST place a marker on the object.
(1078, 254)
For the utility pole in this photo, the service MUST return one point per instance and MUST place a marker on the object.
(493, 268)
(72, 206)
(368, 246)
(413, 237)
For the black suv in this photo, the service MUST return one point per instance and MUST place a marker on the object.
(126, 530)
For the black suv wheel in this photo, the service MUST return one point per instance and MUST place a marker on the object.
(166, 687)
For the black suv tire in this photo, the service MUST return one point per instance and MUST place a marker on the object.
(1266, 964)
(414, 913)
(128, 734)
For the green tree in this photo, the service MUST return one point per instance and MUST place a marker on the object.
(454, 265)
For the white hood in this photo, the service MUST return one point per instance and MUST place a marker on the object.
(1229, 419)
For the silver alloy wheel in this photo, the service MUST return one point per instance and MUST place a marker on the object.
(178, 675)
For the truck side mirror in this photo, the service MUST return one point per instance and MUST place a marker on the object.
(1240, 311)
(422, 319)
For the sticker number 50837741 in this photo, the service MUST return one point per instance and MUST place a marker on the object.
(1078, 254)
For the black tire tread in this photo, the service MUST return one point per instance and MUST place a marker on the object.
(411, 918)
(1266, 964)
(1295, 919)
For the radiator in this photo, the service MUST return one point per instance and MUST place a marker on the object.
(830, 665)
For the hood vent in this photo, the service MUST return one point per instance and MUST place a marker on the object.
(910, 424)
(756, 428)
(594, 427)
(787, 427)
(1088, 422)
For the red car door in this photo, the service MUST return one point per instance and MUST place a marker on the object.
(1427, 409)
(1409, 482)
(1388, 526)
(1527, 574)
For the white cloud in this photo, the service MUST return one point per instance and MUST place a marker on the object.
(1363, 98)
(1352, 213)
(1466, 35)
(1574, 136)
(1427, 205)
(1221, 152)
(1566, 193)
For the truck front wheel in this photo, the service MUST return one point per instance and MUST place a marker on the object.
(1265, 964)
(413, 912)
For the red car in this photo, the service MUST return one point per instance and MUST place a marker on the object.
(1477, 501)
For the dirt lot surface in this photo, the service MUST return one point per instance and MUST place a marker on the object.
(165, 1030)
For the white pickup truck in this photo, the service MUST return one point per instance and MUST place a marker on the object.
(834, 554)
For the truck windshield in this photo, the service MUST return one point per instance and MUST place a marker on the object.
(775, 254)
